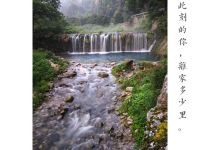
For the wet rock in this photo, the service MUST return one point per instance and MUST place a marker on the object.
(111, 109)
(54, 137)
(114, 98)
(76, 107)
(89, 144)
(119, 135)
(69, 99)
(103, 136)
(64, 110)
(124, 94)
(110, 129)
(78, 64)
(129, 89)
(59, 117)
(64, 85)
(112, 63)
(117, 113)
(103, 74)
(99, 94)
(69, 74)
(94, 65)
(98, 123)
(129, 122)
(82, 82)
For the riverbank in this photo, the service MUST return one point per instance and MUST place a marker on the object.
(46, 67)
(142, 83)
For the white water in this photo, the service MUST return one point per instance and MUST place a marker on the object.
(109, 42)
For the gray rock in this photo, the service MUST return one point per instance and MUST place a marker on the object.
(103, 74)
(111, 109)
(69, 74)
(59, 117)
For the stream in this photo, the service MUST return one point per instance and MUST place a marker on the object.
(89, 119)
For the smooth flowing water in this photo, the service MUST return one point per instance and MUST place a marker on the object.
(90, 121)
(109, 42)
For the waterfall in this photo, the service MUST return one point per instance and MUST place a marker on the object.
(109, 42)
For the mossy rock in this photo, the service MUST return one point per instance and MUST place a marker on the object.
(69, 99)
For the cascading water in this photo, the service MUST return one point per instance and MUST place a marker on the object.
(109, 42)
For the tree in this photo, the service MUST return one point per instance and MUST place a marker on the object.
(118, 18)
(48, 23)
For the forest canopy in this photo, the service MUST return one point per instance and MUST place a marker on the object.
(48, 22)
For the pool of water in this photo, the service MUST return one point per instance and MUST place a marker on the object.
(95, 58)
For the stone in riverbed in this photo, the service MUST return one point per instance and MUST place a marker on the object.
(69, 99)
(109, 128)
(59, 117)
(94, 65)
(103, 74)
(78, 64)
(112, 63)
(69, 74)
(111, 109)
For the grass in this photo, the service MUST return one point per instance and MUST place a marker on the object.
(44, 73)
(147, 83)
(119, 68)
(143, 25)
(92, 28)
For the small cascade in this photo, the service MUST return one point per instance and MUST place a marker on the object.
(109, 42)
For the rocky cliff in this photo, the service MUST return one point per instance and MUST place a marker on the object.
(156, 127)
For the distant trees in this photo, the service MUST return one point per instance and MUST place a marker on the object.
(48, 22)
(95, 19)
(118, 18)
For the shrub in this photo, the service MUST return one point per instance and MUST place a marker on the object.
(43, 73)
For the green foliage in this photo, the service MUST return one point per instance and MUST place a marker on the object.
(48, 23)
(95, 19)
(119, 68)
(162, 25)
(152, 6)
(144, 25)
(43, 73)
(147, 84)
(118, 18)
(71, 29)
(91, 28)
